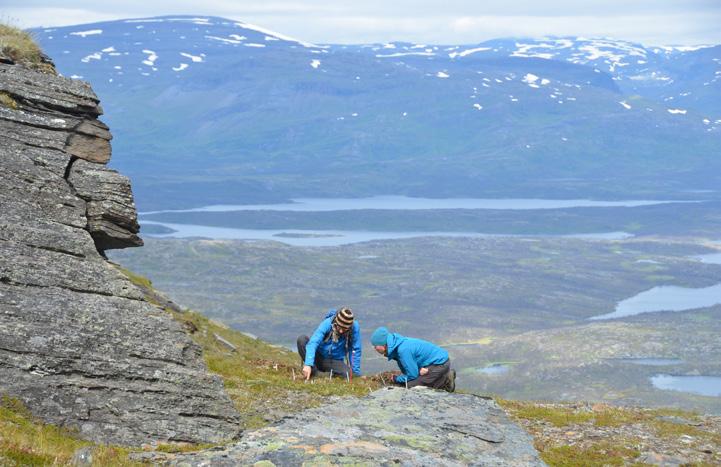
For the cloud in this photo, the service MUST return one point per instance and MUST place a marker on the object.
(650, 29)
(452, 21)
(41, 17)
(656, 29)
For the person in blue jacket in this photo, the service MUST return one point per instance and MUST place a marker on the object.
(335, 345)
(421, 362)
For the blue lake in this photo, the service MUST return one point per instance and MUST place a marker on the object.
(407, 203)
(666, 298)
(702, 385)
(332, 237)
(495, 369)
(713, 258)
(649, 361)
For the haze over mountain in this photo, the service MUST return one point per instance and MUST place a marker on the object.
(208, 110)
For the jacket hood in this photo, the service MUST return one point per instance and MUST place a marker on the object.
(394, 340)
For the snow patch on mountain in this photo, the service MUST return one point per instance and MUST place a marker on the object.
(224, 39)
(91, 32)
(653, 75)
(279, 36)
(685, 48)
(194, 58)
(145, 20)
(93, 56)
(403, 54)
(526, 50)
(152, 57)
(467, 52)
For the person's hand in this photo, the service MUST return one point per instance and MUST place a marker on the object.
(423, 371)
(306, 372)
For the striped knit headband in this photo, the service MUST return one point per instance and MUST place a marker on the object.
(344, 318)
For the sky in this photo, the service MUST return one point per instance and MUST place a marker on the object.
(652, 22)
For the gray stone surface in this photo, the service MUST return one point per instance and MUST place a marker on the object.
(389, 427)
(112, 218)
(79, 345)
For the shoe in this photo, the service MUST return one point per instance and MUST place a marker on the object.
(451, 386)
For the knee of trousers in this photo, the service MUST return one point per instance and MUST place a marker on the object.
(302, 341)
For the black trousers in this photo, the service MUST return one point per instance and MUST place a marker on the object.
(437, 377)
(339, 367)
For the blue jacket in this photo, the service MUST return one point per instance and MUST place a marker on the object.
(322, 341)
(412, 355)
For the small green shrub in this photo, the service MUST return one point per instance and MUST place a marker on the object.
(25, 441)
(6, 100)
(21, 47)
(556, 416)
(601, 454)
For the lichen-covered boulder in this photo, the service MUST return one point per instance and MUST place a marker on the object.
(416, 427)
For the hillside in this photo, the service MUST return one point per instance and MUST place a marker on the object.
(257, 377)
(212, 111)
(513, 313)
(259, 380)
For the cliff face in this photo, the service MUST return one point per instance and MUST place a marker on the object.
(78, 343)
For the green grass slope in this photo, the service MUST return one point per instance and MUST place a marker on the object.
(21, 47)
(262, 381)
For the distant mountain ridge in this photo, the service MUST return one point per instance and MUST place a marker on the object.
(238, 113)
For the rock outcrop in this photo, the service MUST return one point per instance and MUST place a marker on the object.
(388, 427)
(79, 345)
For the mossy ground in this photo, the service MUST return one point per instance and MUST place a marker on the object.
(604, 435)
(25, 441)
(21, 47)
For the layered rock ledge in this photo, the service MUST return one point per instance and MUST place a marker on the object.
(79, 345)
(414, 427)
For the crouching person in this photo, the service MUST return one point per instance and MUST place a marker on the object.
(421, 362)
(334, 346)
